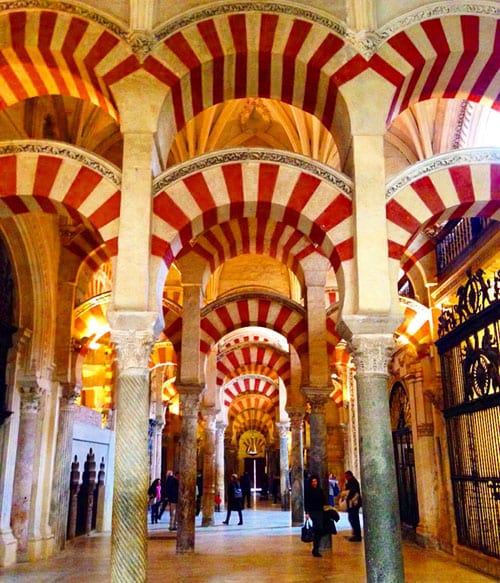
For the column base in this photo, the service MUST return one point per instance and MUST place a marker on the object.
(40, 548)
(8, 549)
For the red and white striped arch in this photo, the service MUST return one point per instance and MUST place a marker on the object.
(253, 359)
(283, 193)
(33, 182)
(450, 193)
(262, 54)
(456, 56)
(253, 236)
(282, 316)
(45, 52)
(416, 327)
(246, 385)
(172, 317)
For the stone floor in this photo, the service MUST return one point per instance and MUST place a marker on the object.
(266, 549)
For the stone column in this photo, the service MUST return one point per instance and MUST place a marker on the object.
(426, 473)
(209, 468)
(283, 429)
(189, 396)
(297, 466)
(219, 461)
(318, 458)
(157, 443)
(129, 528)
(30, 393)
(59, 504)
(383, 553)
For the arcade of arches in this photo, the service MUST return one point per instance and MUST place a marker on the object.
(250, 231)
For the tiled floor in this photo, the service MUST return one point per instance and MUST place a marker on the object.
(266, 549)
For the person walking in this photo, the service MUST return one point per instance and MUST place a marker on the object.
(173, 497)
(164, 487)
(246, 488)
(314, 500)
(352, 496)
(154, 493)
(234, 499)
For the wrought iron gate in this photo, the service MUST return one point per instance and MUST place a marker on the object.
(470, 362)
(402, 440)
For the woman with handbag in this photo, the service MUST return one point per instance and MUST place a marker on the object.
(314, 500)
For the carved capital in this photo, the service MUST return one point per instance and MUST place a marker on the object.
(31, 393)
(134, 347)
(283, 429)
(372, 353)
(296, 418)
(189, 398)
(317, 397)
(70, 392)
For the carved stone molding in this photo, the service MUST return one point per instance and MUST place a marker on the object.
(70, 392)
(67, 151)
(296, 418)
(243, 155)
(372, 353)
(134, 347)
(463, 157)
(436, 10)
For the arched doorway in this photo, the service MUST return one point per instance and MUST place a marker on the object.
(6, 328)
(402, 440)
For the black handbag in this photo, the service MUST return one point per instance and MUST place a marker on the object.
(307, 533)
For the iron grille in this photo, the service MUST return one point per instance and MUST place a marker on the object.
(470, 362)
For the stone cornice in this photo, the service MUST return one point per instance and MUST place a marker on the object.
(231, 156)
(441, 161)
(106, 169)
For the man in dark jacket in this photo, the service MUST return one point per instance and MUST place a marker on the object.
(314, 500)
(352, 494)
(173, 497)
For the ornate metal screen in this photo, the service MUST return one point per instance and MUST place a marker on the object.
(470, 361)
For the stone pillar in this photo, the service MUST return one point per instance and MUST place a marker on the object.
(297, 466)
(219, 461)
(155, 471)
(189, 397)
(283, 429)
(59, 504)
(318, 458)
(129, 522)
(383, 553)
(208, 507)
(426, 473)
(30, 393)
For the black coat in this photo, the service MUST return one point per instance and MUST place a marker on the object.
(233, 502)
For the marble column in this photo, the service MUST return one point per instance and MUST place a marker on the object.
(59, 504)
(283, 429)
(189, 397)
(208, 507)
(129, 522)
(297, 465)
(219, 461)
(318, 458)
(31, 394)
(155, 471)
(382, 530)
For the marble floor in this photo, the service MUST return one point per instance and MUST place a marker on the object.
(265, 549)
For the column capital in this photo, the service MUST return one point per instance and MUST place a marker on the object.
(372, 353)
(317, 396)
(132, 333)
(31, 393)
(283, 428)
(189, 397)
(70, 392)
(296, 415)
